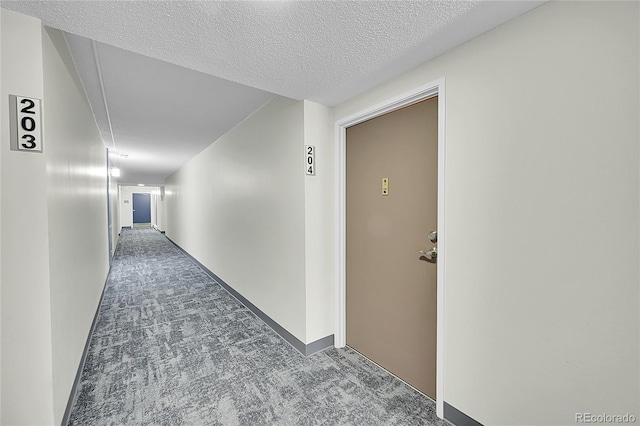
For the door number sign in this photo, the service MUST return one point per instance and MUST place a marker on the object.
(26, 124)
(309, 159)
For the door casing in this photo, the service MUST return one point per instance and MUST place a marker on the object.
(415, 95)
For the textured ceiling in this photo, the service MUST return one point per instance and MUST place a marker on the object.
(324, 51)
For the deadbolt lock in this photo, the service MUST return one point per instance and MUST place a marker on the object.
(433, 236)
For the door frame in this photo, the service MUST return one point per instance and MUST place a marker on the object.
(435, 88)
(109, 210)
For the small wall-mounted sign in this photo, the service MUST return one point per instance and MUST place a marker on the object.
(26, 123)
(309, 159)
(385, 186)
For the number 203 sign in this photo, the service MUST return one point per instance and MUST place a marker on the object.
(26, 124)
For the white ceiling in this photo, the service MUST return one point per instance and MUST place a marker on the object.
(177, 75)
(161, 114)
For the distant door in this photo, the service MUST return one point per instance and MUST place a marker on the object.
(141, 208)
(391, 287)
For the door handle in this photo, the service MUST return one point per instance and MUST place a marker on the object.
(431, 254)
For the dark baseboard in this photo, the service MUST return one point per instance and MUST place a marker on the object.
(457, 417)
(158, 229)
(83, 359)
(318, 345)
(304, 349)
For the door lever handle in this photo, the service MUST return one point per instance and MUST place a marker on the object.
(431, 254)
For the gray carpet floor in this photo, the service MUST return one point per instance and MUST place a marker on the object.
(172, 347)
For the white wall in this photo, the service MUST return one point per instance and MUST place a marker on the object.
(158, 206)
(114, 205)
(238, 207)
(115, 213)
(541, 214)
(27, 372)
(245, 209)
(54, 227)
(77, 207)
(319, 223)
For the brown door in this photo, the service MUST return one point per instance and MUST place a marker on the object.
(391, 288)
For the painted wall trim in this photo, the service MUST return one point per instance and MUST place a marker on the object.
(457, 417)
(304, 349)
(426, 91)
(83, 359)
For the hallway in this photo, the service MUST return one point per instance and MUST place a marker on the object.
(232, 116)
(171, 346)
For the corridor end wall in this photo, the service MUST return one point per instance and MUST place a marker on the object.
(125, 205)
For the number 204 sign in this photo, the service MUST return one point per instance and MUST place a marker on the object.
(26, 124)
